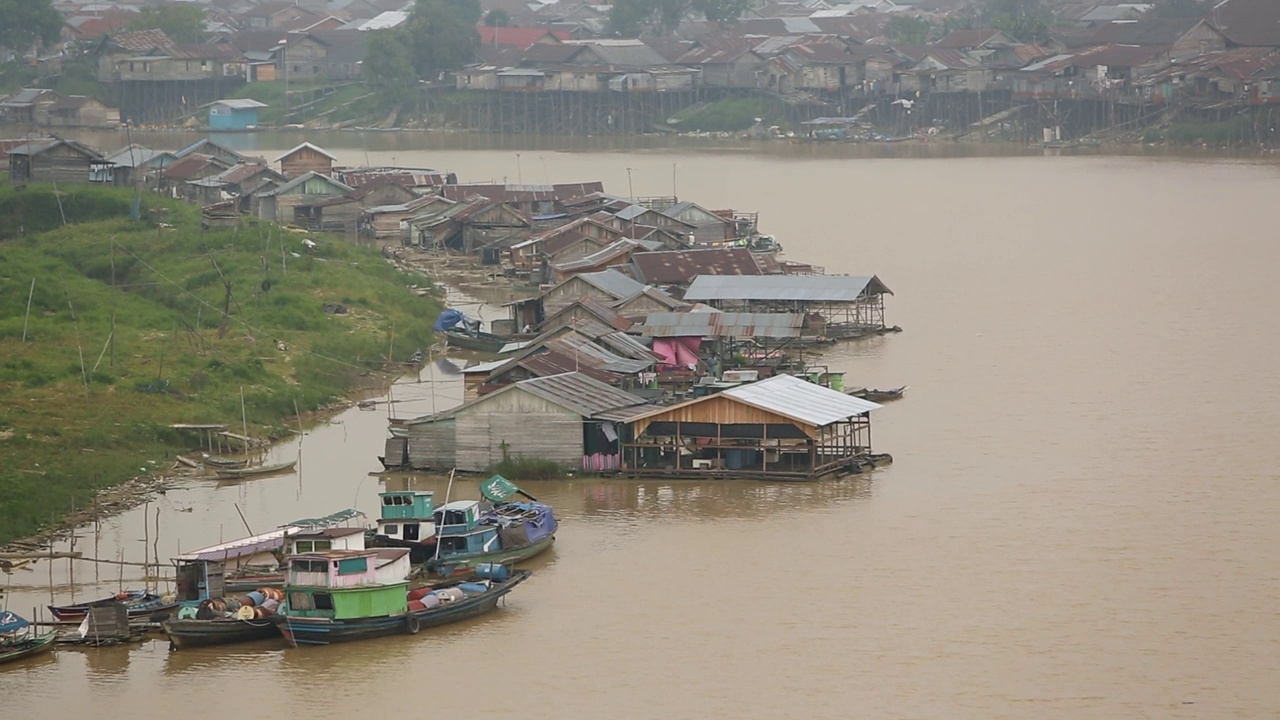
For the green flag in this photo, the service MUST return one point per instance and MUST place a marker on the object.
(498, 489)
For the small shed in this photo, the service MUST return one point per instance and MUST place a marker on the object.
(607, 285)
(234, 114)
(306, 158)
(55, 160)
(779, 428)
(569, 419)
(300, 200)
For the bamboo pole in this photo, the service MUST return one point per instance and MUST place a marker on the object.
(30, 294)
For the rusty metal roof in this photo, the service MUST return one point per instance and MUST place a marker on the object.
(582, 394)
(788, 288)
(608, 254)
(673, 267)
(723, 324)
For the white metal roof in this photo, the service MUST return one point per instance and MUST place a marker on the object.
(320, 150)
(800, 400)
(237, 103)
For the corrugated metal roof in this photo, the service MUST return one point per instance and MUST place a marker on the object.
(581, 394)
(723, 324)
(484, 368)
(587, 352)
(801, 400)
(795, 288)
(671, 267)
(612, 282)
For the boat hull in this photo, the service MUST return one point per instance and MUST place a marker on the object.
(27, 648)
(506, 556)
(199, 633)
(236, 474)
(137, 606)
(319, 631)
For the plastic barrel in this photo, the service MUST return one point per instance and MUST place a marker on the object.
(419, 594)
(473, 588)
(417, 605)
(493, 571)
(255, 598)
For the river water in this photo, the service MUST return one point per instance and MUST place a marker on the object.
(1081, 520)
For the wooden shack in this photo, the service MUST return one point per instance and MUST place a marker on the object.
(55, 160)
(608, 286)
(561, 418)
(301, 200)
(304, 159)
(779, 428)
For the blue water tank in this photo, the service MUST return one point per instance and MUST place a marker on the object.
(493, 571)
(739, 459)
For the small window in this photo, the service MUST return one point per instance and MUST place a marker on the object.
(311, 566)
(324, 601)
(391, 529)
(301, 601)
(353, 566)
(322, 544)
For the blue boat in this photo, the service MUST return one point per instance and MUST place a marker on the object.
(17, 641)
(496, 530)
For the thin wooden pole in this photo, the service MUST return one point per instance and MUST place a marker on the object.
(84, 376)
(246, 522)
(30, 294)
(244, 418)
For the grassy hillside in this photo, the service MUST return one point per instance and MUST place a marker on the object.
(69, 426)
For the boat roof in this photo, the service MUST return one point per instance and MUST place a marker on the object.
(330, 532)
(415, 493)
(334, 554)
(244, 547)
(458, 505)
(11, 623)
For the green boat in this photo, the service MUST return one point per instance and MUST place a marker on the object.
(18, 642)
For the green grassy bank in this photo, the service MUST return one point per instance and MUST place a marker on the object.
(83, 407)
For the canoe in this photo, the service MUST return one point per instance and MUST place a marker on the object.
(480, 342)
(11, 650)
(138, 603)
(875, 395)
(324, 631)
(224, 473)
(218, 631)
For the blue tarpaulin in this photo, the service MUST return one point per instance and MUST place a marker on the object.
(10, 623)
(448, 319)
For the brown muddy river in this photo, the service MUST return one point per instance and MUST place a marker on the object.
(1082, 521)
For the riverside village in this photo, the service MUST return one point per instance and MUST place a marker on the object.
(639, 337)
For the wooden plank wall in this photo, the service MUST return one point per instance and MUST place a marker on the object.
(433, 445)
(528, 425)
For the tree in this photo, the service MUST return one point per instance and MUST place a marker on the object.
(27, 23)
(442, 35)
(388, 62)
(909, 30)
(183, 23)
(633, 17)
(498, 17)
(1023, 20)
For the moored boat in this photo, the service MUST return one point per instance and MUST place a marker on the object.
(875, 395)
(322, 613)
(17, 641)
(138, 603)
(252, 470)
(407, 520)
(195, 632)
(493, 530)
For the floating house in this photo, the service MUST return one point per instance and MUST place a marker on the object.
(234, 114)
(782, 427)
(837, 305)
(568, 418)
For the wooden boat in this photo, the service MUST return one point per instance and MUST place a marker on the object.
(218, 462)
(480, 341)
(192, 632)
(875, 395)
(138, 603)
(227, 473)
(18, 642)
(423, 608)
(497, 530)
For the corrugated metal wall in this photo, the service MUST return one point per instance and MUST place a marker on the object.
(530, 426)
(433, 445)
